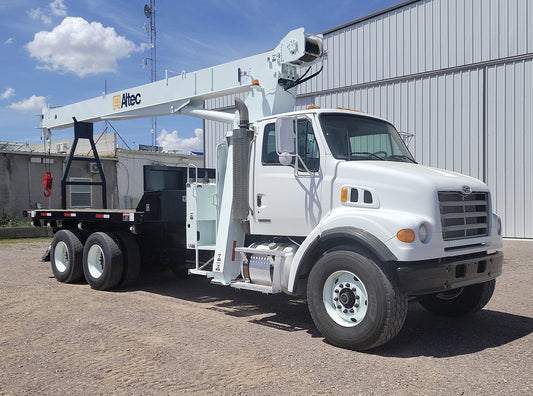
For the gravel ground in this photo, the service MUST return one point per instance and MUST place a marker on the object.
(168, 336)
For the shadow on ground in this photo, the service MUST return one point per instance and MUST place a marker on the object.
(423, 333)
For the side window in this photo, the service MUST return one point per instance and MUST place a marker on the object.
(307, 146)
(269, 155)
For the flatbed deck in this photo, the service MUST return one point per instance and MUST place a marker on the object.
(92, 215)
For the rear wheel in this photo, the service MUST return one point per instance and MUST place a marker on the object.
(102, 261)
(352, 302)
(132, 258)
(66, 256)
(461, 301)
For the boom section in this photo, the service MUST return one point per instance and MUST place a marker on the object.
(186, 91)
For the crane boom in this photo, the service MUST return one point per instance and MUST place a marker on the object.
(184, 93)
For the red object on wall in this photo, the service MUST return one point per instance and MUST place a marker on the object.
(47, 183)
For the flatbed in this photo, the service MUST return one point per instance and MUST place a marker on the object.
(120, 216)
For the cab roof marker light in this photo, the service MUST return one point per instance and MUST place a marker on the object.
(345, 108)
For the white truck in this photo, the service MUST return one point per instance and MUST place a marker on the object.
(327, 203)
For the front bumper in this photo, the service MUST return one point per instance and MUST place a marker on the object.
(433, 276)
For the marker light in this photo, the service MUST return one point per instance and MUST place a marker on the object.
(406, 235)
(344, 194)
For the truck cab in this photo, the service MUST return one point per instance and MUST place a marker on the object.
(347, 172)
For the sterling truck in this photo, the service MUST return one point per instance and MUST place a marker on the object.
(325, 203)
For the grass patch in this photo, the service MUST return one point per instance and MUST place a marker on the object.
(8, 220)
(25, 240)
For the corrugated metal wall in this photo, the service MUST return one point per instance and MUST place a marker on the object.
(216, 130)
(456, 73)
(510, 144)
(425, 36)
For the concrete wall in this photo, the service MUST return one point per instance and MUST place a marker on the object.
(21, 178)
(21, 181)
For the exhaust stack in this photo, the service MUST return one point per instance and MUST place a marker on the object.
(242, 136)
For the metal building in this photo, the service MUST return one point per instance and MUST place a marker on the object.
(458, 74)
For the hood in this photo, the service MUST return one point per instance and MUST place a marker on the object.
(403, 185)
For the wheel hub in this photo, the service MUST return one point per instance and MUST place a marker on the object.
(345, 298)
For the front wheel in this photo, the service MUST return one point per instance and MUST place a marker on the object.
(352, 302)
(461, 301)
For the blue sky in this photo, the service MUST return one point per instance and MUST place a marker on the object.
(62, 51)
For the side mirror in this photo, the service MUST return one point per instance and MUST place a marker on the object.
(285, 139)
(406, 137)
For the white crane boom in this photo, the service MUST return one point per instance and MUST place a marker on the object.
(276, 71)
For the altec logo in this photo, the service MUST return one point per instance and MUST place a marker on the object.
(125, 100)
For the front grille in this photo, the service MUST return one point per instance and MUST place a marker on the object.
(463, 216)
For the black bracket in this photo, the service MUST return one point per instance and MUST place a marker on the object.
(83, 130)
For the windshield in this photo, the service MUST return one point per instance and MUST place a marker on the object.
(353, 137)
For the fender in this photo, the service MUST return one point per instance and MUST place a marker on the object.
(315, 244)
(361, 237)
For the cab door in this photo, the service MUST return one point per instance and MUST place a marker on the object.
(286, 199)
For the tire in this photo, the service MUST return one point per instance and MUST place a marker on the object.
(132, 258)
(372, 310)
(66, 256)
(458, 302)
(102, 261)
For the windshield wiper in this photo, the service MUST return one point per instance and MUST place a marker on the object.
(368, 154)
(403, 157)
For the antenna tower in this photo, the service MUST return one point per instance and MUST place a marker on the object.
(149, 12)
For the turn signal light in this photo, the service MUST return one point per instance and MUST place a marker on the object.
(344, 194)
(406, 235)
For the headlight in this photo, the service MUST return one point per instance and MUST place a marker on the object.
(423, 233)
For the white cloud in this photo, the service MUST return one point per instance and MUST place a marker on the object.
(172, 142)
(9, 92)
(37, 13)
(55, 8)
(81, 47)
(58, 8)
(9, 41)
(35, 103)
